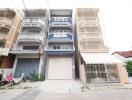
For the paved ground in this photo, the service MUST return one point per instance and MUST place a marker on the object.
(65, 90)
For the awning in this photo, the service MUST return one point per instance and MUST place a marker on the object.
(100, 58)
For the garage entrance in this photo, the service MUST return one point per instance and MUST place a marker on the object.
(60, 68)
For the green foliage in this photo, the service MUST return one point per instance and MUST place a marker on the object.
(129, 67)
(36, 77)
(82, 88)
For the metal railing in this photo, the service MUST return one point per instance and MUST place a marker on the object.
(30, 36)
(69, 20)
(60, 36)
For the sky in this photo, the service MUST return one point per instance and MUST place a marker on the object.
(115, 17)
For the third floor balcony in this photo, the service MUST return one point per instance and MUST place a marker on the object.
(33, 23)
(60, 22)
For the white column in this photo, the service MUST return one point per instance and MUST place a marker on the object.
(15, 64)
(40, 66)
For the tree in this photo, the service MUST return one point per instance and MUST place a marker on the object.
(129, 67)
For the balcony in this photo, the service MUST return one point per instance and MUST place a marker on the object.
(60, 37)
(33, 23)
(83, 35)
(5, 21)
(61, 51)
(19, 52)
(67, 22)
(30, 37)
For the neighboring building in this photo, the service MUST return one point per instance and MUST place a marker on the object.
(60, 49)
(10, 22)
(124, 56)
(95, 63)
(31, 41)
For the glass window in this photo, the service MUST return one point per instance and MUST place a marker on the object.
(56, 47)
(30, 47)
(2, 44)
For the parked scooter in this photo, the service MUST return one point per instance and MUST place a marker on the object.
(8, 79)
(19, 80)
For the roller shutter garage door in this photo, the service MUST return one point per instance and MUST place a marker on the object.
(27, 66)
(60, 68)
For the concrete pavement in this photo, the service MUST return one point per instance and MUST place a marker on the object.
(65, 90)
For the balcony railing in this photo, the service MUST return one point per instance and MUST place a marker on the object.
(60, 37)
(33, 23)
(6, 21)
(61, 23)
(17, 51)
(63, 20)
(30, 37)
(51, 51)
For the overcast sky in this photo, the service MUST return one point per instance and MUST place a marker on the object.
(115, 16)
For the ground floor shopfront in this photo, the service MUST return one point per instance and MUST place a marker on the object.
(28, 64)
(101, 73)
(101, 68)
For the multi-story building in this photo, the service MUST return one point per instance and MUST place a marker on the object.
(10, 22)
(31, 41)
(94, 63)
(60, 49)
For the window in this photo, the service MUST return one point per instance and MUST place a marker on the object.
(4, 30)
(61, 31)
(30, 47)
(65, 19)
(56, 47)
(61, 19)
(2, 44)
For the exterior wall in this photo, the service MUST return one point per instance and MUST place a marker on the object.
(11, 22)
(123, 75)
(33, 33)
(89, 40)
(82, 75)
(60, 31)
(60, 41)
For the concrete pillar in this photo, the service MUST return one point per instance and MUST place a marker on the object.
(15, 64)
(123, 75)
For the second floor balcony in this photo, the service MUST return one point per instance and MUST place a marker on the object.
(30, 37)
(21, 49)
(59, 50)
(60, 37)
